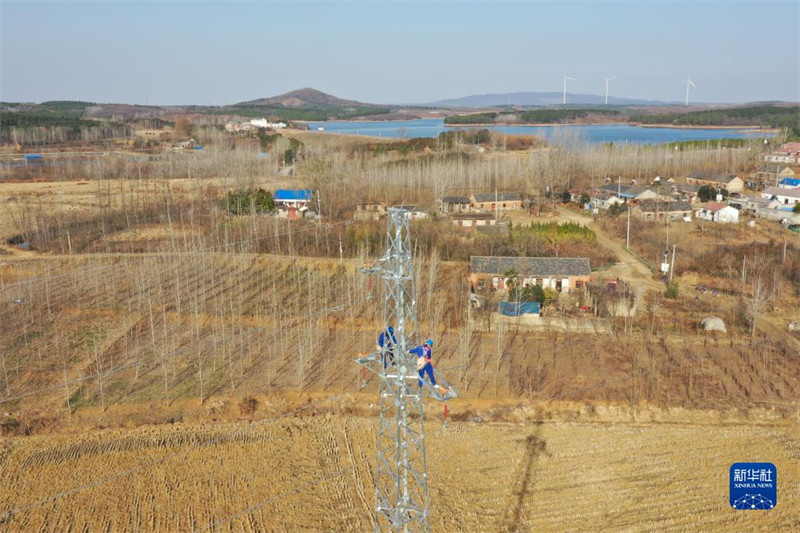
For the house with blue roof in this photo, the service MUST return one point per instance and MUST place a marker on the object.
(633, 192)
(789, 183)
(293, 197)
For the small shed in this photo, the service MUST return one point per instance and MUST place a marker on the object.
(519, 308)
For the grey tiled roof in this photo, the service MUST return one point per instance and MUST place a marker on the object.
(530, 266)
(630, 190)
(709, 176)
(473, 216)
(780, 191)
(499, 197)
(773, 168)
(455, 200)
(649, 206)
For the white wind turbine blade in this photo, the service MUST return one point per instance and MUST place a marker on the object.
(564, 99)
(608, 79)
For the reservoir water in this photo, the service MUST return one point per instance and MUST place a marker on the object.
(593, 134)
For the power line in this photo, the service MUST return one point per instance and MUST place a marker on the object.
(48, 278)
(22, 395)
(11, 512)
(287, 493)
(67, 383)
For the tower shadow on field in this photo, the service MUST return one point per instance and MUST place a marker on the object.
(535, 447)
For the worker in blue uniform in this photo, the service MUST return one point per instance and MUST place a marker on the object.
(424, 353)
(386, 346)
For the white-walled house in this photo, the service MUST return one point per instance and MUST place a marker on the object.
(413, 212)
(263, 123)
(787, 153)
(603, 199)
(718, 212)
(782, 195)
(474, 220)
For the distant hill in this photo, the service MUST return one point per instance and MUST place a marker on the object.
(539, 99)
(306, 104)
(306, 97)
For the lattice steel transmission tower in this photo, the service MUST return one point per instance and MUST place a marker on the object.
(401, 487)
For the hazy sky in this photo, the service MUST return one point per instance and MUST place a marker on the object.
(226, 52)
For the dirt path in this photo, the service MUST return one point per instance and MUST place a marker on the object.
(628, 268)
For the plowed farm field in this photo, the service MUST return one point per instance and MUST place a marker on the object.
(315, 473)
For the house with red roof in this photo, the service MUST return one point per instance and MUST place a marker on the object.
(718, 212)
(787, 153)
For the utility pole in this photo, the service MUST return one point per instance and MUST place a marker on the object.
(401, 480)
(672, 266)
(628, 232)
(496, 206)
(744, 269)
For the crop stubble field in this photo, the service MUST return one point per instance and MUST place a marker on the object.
(316, 473)
(130, 362)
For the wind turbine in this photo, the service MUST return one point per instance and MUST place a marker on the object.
(608, 80)
(564, 101)
(688, 83)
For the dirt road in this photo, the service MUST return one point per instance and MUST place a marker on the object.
(628, 268)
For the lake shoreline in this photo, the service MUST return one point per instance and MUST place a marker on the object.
(592, 133)
(746, 129)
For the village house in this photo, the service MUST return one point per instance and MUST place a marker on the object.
(413, 212)
(562, 274)
(292, 197)
(754, 204)
(233, 127)
(662, 211)
(499, 200)
(263, 123)
(789, 183)
(628, 193)
(782, 195)
(152, 134)
(773, 174)
(473, 220)
(369, 212)
(455, 204)
(576, 195)
(687, 193)
(292, 212)
(602, 199)
(728, 182)
(787, 153)
(718, 212)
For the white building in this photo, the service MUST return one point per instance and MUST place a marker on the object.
(782, 195)
(603, 199)
(262, 123)
(718, 212)
(413, 212)
(787, 153)
(238, 126)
